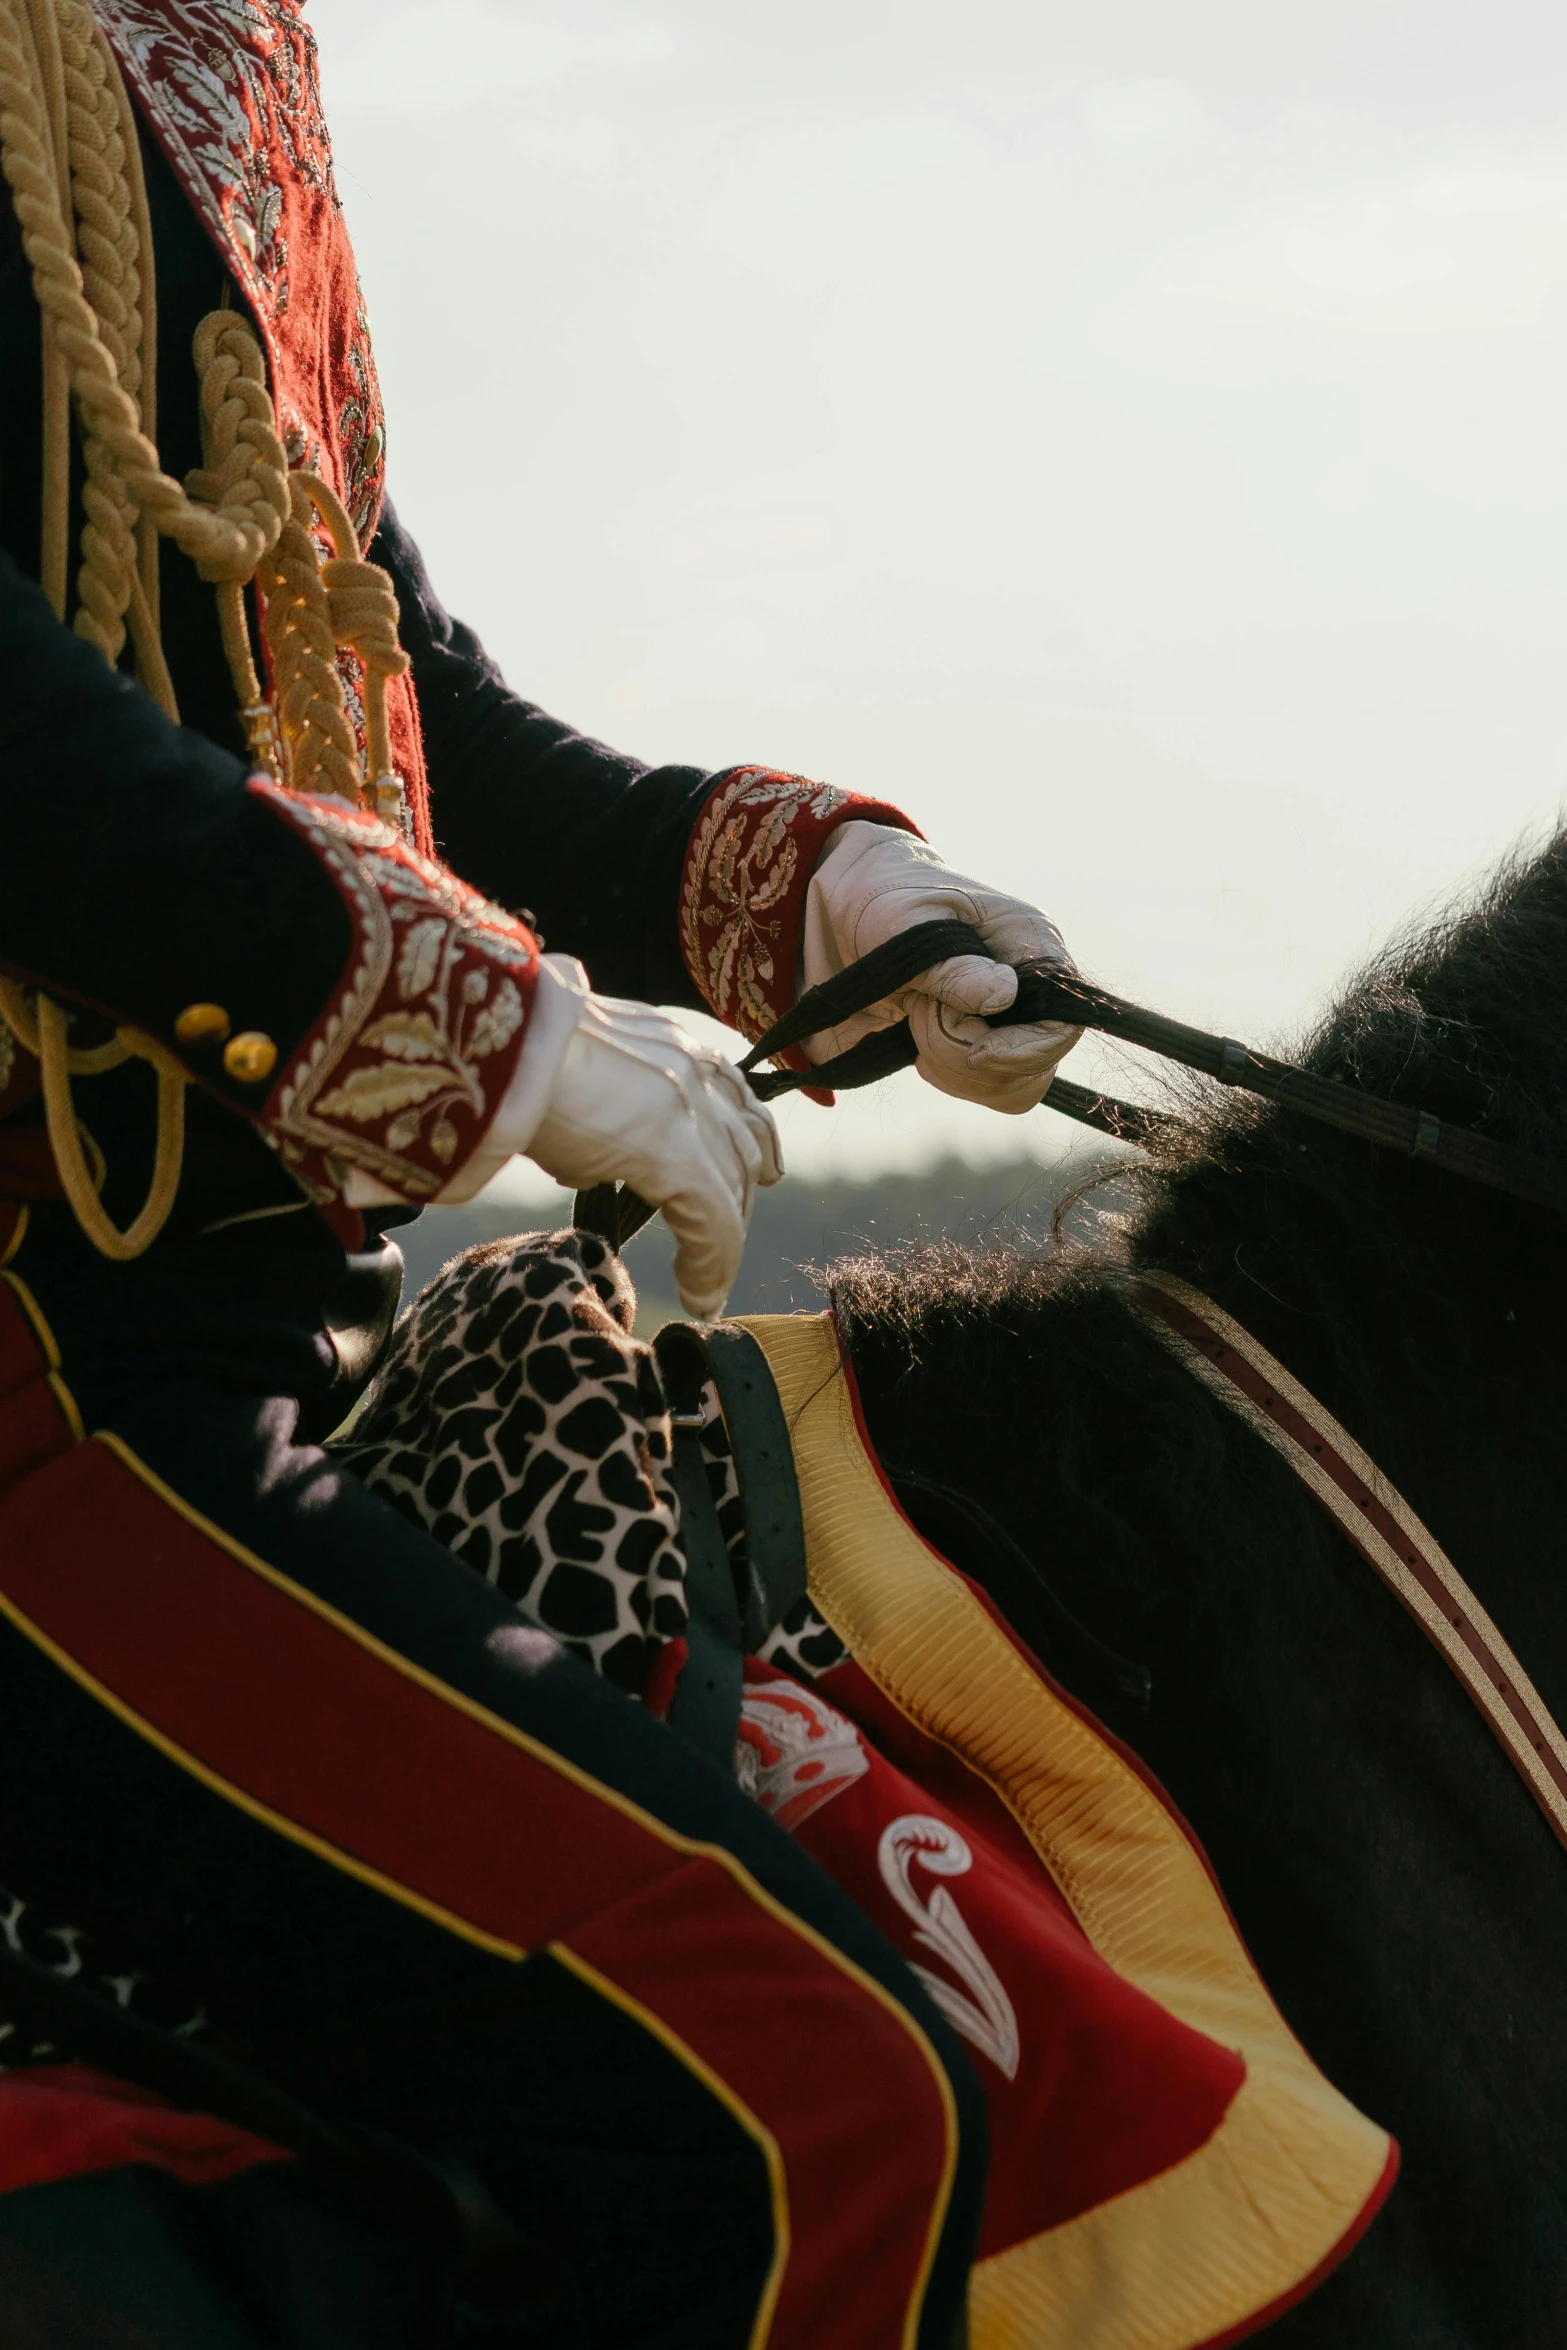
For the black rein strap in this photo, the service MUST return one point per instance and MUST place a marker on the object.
(1049, 993)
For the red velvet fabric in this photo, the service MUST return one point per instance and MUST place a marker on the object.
(409, 1062)
(742, 895)
(62, 2121)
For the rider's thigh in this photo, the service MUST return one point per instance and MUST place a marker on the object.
(274, 1743)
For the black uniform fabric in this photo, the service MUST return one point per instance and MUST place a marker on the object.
(271, 2260)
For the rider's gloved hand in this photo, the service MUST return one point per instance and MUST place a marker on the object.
(619, 1093)
(872, 881)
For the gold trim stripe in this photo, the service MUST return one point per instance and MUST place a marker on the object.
(36, 1317)
(1250, 2216)
(752, 2123)
(46, 1339)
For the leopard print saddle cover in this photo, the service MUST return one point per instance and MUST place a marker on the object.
(518, 1421)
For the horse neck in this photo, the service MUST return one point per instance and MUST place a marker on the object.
(1394, 1882)
(1430, 1321)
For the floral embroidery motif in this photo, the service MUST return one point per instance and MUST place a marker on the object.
(741, 869)
(406, 1068)
(431, 1062)
(742, 898)
(361, 431)
(237, 83)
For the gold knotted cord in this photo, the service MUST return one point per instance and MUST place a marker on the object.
(70, 154)
(44, 1032)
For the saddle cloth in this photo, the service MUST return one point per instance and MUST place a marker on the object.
(1168, 2169)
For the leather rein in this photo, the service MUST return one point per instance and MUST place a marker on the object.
(1050, 992)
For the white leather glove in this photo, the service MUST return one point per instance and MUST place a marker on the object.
(872, 881)
(618, 1092)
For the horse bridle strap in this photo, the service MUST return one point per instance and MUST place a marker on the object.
(1379, 1522)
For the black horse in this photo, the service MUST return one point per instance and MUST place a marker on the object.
(1400, 1892)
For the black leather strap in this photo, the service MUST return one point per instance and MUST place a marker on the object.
(706, 1705)
(731, 1613)
(882, 972)
(615, 1215)
(764, 1465)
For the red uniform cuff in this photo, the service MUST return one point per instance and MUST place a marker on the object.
(408, 1063)
(742, 896)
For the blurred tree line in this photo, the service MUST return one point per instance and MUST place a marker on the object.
(799, 1226)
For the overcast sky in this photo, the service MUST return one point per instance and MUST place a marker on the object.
(1129, 436)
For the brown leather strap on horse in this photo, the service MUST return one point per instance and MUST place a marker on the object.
(1377, 1519)
(1054, 994)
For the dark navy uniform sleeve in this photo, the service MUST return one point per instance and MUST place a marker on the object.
(540, 817)
(139, 875)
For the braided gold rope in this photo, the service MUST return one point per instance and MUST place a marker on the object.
(236, 420)
(227, 541)
(38, 55)
(111, 280)
(312, 710)
(118, 576)
(364, 618)
(146, 388)
(70, 154)
(106, 239)
(313, 608)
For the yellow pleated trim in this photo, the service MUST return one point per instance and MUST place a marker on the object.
(1248, 2217)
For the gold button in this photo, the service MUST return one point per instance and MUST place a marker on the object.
(202, 1024)
(250, 1056)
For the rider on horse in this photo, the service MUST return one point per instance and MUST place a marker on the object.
(306, 921)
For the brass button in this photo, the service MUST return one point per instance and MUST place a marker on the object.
(202, 1024)
(250, 1056)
